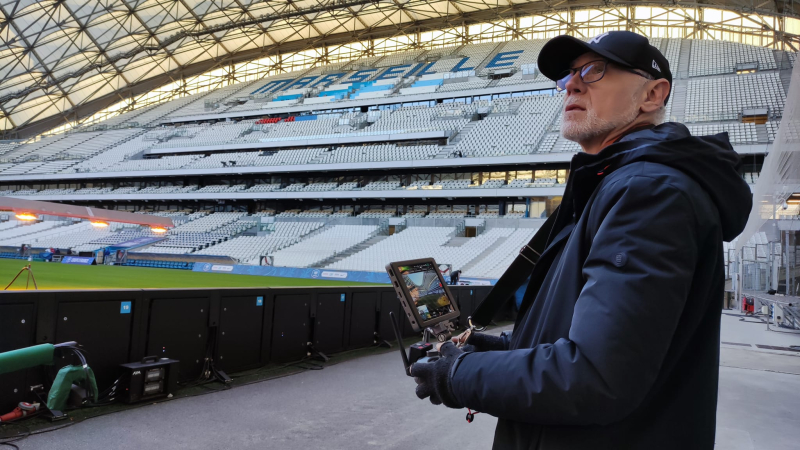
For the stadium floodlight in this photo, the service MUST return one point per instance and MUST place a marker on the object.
(99, 224)
(158, 229)
(26, 216)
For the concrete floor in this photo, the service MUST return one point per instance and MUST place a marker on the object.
(369, 402)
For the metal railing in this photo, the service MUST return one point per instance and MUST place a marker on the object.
(780, 311)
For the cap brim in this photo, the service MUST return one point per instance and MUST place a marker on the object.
(557, 55)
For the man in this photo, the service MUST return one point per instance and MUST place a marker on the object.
(454, 276)
(616, 345)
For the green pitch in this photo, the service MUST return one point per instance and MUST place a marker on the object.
(66, 276)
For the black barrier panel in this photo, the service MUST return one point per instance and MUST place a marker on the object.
(390, 302)
(329, 318)
(290, 335)
(480, 293)
(179, 330)
(102, 326)
(465, 304)
(362, 319)
(17, 327)
(183, 324)
(240, 326)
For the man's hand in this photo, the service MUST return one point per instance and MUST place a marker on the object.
(479, 342)
(433, 379)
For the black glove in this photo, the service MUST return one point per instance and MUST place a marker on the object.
(479, 342)
(433, 379)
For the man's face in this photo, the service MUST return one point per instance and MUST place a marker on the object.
(596, 109)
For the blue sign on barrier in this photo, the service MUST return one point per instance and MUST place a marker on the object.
(477, 281)
(259, 301)
(292, 272)
(125, 308)
(82, 260)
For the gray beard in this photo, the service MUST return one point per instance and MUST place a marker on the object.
(592, 126)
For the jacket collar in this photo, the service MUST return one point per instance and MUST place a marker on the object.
(587, 170)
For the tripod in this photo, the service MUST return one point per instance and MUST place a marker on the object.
(28, 281)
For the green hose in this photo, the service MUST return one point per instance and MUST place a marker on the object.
(24, 358)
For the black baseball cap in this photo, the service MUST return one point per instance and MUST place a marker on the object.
(622, 47)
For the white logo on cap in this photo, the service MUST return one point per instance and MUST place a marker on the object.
(596, 39)
(655, 66)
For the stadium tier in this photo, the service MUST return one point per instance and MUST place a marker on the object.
(452, 152)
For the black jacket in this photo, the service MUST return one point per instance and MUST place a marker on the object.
(616, 345)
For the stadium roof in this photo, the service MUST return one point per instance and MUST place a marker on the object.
(65, 59)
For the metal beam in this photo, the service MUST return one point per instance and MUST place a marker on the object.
(19, 205)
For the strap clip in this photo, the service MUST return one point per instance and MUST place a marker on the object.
(472, 326)
(534, 258)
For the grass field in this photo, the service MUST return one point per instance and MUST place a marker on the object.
(66, 276)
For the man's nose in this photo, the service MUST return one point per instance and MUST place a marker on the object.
(575, 84)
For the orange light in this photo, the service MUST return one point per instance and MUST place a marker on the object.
(158, 229)
(99, 224)
(26, 216)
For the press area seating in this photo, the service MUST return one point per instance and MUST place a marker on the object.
(315, 213)
(221, 188)
(381, 186)
(376, 214)
(263, 188)
(463, 85)
(382, 152)
(347, 186)
(446, 215)
(490, 184)
(452, 184)
(418, 184)
(310, 187)
(416, 211)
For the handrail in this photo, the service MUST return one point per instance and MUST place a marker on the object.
(784, 312)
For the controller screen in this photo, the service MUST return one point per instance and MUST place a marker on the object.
(426, 290)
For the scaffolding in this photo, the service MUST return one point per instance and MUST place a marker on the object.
(767, 250)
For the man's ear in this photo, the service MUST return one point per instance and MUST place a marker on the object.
(656, 94)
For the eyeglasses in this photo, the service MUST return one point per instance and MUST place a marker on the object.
(591, 72)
